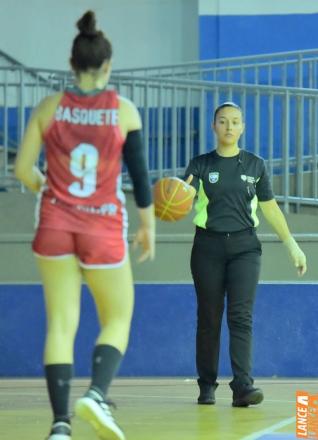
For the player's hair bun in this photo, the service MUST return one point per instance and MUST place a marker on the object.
(90, 47)
(87, 24)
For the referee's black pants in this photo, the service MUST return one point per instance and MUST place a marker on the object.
(222, 264)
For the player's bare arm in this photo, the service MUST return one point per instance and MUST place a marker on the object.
(25, 167)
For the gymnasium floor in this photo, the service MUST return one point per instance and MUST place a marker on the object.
(159, 409)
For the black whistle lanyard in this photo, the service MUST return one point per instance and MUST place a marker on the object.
(250, 188)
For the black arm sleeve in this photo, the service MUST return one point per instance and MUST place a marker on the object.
(134, 158)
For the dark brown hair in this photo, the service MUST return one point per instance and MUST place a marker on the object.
(90, 47)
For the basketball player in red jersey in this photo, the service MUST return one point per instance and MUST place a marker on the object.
(82, 229)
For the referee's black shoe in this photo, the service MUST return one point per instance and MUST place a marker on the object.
(207, 394)
(247, 396)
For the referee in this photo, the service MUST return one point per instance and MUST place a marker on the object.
(226, 252)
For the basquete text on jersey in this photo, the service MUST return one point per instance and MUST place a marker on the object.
(85, 116)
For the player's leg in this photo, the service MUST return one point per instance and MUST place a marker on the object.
(113, 294)
(61, 277)
(62, 285)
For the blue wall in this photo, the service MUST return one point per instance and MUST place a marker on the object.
(237, 35)
(163, 332)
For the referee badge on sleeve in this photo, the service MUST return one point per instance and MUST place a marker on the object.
(214, 177)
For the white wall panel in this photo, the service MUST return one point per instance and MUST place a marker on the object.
(256, 7)
(143, 32)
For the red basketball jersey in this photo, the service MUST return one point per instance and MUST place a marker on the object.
(83, 148)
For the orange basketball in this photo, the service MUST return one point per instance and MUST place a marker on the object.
(173, 198)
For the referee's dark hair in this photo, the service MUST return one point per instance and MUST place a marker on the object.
(223, 105)
(90, 47)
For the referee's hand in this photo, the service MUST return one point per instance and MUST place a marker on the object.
(188, 182)
(297, 255)
(299, 260)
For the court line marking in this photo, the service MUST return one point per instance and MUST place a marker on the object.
(152, 382)
(270, 429)
(190, 397)
(260, 380)
(172, 283)
(146, 396)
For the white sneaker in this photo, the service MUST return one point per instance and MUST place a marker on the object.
(60, 431)
(97, 413)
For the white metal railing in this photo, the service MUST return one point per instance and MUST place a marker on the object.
(290, 69)
(281, 124)
(293, 69)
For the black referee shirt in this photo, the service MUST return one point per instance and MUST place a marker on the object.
(228, 190)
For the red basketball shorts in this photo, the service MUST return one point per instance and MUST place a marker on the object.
(98, 241)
